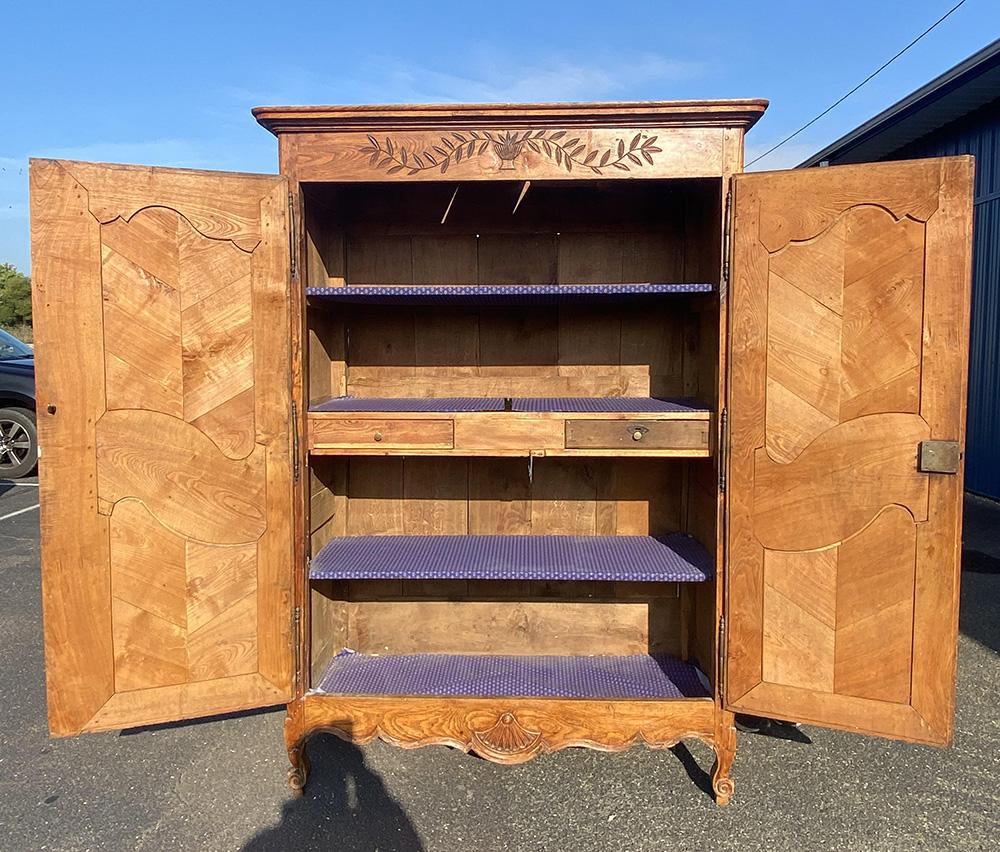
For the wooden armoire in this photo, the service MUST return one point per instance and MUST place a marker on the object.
(505, 427)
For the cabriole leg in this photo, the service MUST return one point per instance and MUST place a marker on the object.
(725, 752)
(298, 773)
(295, 742)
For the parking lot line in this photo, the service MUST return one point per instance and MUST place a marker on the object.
(18, 512)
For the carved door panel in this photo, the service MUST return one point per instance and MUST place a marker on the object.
(849, 328)
(161, 305)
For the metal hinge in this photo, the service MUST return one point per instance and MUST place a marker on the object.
(722, 658)
(295, 442)
(292, 266)
(297, 643)
(723, 447)
(727, 238)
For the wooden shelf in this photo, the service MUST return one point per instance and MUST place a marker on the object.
(681, 407)
(573, 426)
(518, 294)
(675, 558)
(634, 677)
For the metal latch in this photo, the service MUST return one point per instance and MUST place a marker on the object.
(292, 264)
(939, 457)
(727, 236)
(297, 642)
(723, 652)
(723, 448)
(295, 443)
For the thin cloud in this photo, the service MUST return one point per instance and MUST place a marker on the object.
(487, 78)
(556, 80)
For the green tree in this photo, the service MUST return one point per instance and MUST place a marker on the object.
(15, 296)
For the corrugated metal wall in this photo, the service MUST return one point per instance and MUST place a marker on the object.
(979, 134)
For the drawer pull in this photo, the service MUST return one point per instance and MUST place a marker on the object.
(378, 436)
(638, 432)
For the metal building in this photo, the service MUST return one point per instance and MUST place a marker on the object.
(956, 113)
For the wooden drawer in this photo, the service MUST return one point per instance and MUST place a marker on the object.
(637, 434)
(381, 433)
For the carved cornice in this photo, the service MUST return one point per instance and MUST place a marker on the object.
(410, 117)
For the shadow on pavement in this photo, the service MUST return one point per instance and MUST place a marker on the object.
(701, 779)
(981, 572)
(776, 729)
(345, 806)
(978, 609)
(201, 720)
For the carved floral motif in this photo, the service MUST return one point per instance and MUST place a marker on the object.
(452, 148)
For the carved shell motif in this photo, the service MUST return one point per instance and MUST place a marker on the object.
(507, 741)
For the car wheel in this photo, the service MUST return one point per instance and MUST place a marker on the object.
(18, 442)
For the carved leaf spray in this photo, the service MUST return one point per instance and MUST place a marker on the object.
(451, 149)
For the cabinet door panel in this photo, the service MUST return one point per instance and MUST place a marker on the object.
(849, 334)
(161, 305)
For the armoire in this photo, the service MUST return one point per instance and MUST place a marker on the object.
(504, 427)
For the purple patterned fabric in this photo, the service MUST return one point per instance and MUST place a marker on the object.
(514, 294)
(630, 677)
(675, 558)
(446, 404)
(456, 404)
(607, 404)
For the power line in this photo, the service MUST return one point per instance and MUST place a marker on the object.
(874, 73)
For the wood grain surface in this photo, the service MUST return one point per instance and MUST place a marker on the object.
(163, 369)
(849, 339)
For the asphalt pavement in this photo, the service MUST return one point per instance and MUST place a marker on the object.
(219, 784)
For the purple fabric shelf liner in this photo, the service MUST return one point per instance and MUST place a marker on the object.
(607, 404)
(447, 404)
(675, 558)
(568, 404)
(631, 677)
(513, 294)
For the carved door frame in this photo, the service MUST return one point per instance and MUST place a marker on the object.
(849, 307)
(164, 364)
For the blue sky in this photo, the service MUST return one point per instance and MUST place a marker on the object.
(172, 84)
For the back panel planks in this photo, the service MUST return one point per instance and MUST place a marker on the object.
(569, 350)
(563, 232)
(367, 495)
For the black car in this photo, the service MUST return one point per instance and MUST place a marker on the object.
(18, 436)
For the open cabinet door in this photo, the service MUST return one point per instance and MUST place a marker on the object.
(849, 310)
(161, 316)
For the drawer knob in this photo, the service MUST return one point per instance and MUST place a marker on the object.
(378, 436)
(637, 435)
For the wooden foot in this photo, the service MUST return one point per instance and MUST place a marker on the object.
(725, 752)
(298, 774)
(295, 743)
